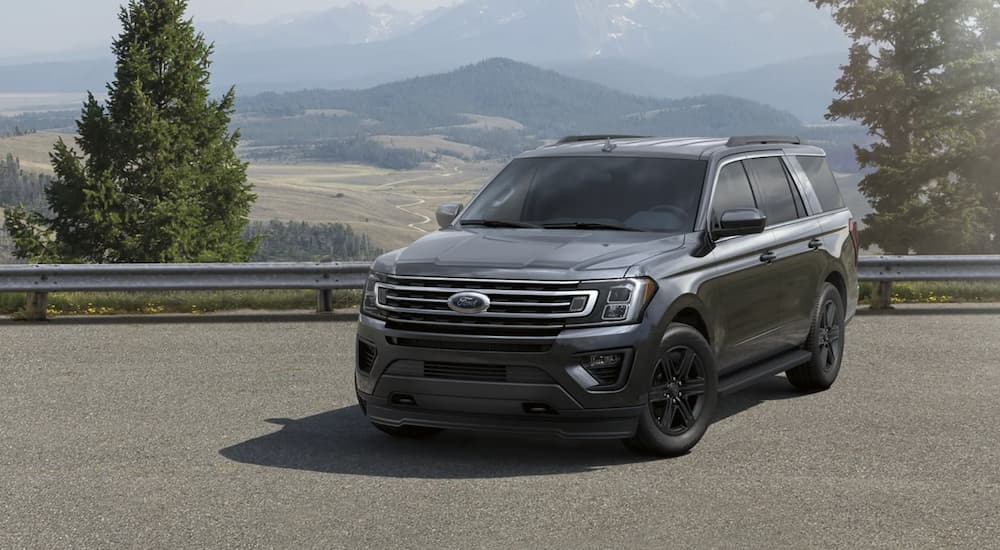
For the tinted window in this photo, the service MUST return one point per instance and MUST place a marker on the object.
(732, 190)
(649, 194)
(772, 182)
(823, 181)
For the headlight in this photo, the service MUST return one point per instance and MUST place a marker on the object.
(369, 302)
(619, 302)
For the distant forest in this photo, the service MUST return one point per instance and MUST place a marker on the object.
(303, 242)
(32, 122)
(20, 188)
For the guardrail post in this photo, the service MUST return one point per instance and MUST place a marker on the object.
(36, 306)
(882, 295)
(324, 301)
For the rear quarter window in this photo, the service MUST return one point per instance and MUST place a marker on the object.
(823, 181)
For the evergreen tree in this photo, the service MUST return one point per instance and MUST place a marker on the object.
(924, 76)
(158, 179)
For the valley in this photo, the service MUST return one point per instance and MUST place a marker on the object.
(392, 207)
(380, 160)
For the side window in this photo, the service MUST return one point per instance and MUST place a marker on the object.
(823, 181)
(732, 191)
(772, 182)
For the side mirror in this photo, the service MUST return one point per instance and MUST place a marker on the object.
(446, 213)
(745, 221)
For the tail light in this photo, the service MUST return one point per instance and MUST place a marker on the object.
(856, 239)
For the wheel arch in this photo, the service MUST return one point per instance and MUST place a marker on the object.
(689, 310)
(836, 278)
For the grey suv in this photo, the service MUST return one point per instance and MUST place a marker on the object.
(613, 287)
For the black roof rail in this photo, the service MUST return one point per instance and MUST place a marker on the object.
(739, 141)
(578, 139)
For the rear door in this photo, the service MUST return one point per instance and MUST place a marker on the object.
(798, 262)
(740, 289)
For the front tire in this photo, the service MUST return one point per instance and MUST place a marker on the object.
(682, 395)
(825, 342)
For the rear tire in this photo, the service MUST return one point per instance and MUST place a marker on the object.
(407, 432)
(825, 342)
(681, 395)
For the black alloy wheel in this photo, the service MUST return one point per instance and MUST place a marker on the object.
(681, 396)
(676, 398)
(825, 342)
(830, 336)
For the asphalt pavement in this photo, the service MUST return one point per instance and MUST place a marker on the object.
(242, 432)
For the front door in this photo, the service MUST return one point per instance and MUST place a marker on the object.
(741, 287)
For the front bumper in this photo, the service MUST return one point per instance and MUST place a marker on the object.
(394, 391)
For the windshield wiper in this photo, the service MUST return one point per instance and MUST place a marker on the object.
(589, 225)
(499, 223)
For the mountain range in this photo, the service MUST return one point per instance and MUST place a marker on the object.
(502, 107)
(767, 50)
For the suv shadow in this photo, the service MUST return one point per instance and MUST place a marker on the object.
(342, 441)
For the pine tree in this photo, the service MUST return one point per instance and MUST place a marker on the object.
(158, 179)
(924, 76)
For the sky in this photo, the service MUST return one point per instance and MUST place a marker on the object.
(59, 25)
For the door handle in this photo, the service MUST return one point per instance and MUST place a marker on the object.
(768, 257)
(816, 244)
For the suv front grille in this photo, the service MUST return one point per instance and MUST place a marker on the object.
(517, 308)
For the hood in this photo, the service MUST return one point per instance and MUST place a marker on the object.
(527, 253)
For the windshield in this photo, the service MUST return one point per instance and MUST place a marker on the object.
(623, 193)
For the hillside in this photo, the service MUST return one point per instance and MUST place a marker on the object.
(488, 102)
(489, 110)
(802, 86)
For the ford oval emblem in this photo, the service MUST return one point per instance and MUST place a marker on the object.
(469, 302)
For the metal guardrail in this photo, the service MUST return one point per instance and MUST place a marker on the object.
(39, 280)
(929, 268)
(885, 270)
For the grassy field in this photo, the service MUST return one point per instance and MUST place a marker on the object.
(33, 150)
(938, 292)
(392, 207)
(430, 144)
(133, 303)
(484, 122)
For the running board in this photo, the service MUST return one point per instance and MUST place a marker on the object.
(750, 375)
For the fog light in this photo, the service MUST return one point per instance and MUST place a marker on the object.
(603, 360)
(578, 304)
(605, 368)
(615, 312)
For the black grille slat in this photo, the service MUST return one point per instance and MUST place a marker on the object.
(486, 373)
(480, 373)
(605, 375)
(471, 330)
(484, 284)
(502, 347)
(366, 355)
